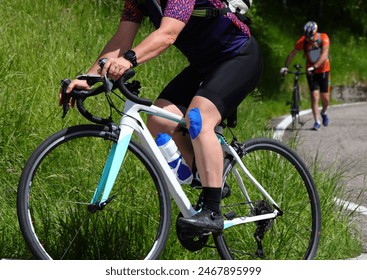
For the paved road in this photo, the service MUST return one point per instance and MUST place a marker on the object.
(342, 145)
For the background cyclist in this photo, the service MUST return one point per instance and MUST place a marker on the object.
(316, 49)
(225, 65)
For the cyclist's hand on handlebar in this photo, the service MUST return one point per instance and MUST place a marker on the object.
(79, 84)
(283, 71)
(115, 67)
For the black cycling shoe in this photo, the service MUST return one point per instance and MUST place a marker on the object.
(205, 220)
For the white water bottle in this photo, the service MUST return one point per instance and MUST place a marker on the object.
(173, 156)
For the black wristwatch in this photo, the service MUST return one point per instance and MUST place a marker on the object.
(131, 56)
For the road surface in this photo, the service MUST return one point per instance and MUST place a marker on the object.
(341, 145)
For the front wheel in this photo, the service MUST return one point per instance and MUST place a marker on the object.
(58, 183)
(294, 234)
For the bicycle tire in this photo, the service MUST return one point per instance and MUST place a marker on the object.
(57, 184)
(295, 108)
(295, 234)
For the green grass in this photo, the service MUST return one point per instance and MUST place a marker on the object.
(43, 42)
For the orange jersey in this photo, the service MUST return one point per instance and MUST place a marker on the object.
(313, 51)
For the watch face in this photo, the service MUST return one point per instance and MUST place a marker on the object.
(130, 56)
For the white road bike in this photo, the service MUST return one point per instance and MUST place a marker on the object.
(103, 191)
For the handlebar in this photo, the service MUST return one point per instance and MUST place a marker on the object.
(296, 73)
(122, 86)
(298, 70)
(129, 89)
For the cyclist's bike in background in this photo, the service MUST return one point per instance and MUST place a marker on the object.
(296, 97)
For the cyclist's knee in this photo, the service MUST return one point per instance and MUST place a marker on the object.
(196, 122)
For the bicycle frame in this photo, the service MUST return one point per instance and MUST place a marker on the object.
(295, 95)
(132, 123)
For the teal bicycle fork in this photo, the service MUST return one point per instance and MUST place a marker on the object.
(110, 172)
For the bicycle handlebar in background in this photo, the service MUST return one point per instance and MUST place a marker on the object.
(298, 70)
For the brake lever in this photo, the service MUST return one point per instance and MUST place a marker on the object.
(108, 84)
(107, 81)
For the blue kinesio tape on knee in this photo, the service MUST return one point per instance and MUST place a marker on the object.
(195, 123)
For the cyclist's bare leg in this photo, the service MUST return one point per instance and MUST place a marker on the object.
(208, 152)
(315, 96)
(209, 157)
(201, 118)
(325, 100)
(157, 125)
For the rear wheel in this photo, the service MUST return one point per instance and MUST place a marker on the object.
(293, 235)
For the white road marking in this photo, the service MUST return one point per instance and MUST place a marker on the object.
(351, 206)
(282, 126)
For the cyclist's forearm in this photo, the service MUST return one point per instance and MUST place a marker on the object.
(288, 61)
(121, 41)
(159, 40)
(289, 58)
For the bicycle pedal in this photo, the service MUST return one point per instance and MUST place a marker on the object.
(230, 215)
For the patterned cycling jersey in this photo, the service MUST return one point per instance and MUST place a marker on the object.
(204, 41)
(313, 51)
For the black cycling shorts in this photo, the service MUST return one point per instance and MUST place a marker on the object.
(319, 81)
(226, 84)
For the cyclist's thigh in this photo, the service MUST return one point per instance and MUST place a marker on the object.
(325, 82)
(232, 80)
(313, 83)
(182, 88)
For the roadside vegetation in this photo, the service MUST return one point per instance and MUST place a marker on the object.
(42, 43)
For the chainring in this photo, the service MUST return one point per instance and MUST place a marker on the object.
(191, 240)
